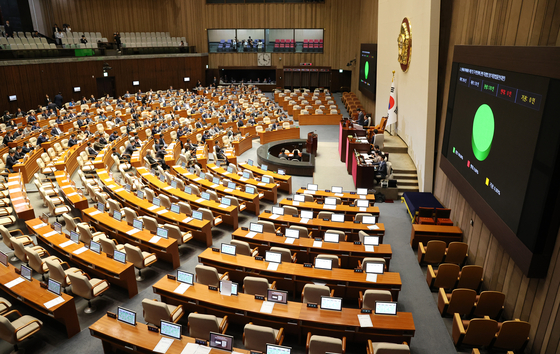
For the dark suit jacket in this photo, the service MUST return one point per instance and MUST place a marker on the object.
(11, 161)
(72, 142)
(40, 140)
(58, 100)
(56, 131)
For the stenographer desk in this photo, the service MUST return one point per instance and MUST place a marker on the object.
(344, 131)
(348, 211)
(344, 196)
(306, 249)
(295, 317)
(119, 274)
(293, 276)
(243, 145)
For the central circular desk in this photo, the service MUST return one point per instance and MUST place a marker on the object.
(267, 154)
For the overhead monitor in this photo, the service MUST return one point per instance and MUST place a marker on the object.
(385, 307)
(221, 341)
(367, 77)
(127, 316)
(273, 257)
(77, 89)
(135, 83)
(185, 277)
(331, 303)
(12, 98)
(228, 249)
(54, 287)
(279, 296)
(170, 329)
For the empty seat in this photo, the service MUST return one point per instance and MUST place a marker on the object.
(460, 301)
(313, 292)
(287, 255)
(456, 253)
(470, 277)
(257, 285)
(489, 303)
(200, 325)
(369, 297)
(512, 335)
(209, 275)
(243, 248)
(154, 311)
(477, 332)
(444, 277)
(432, 253)
(387, 348)
(321, 344)
(88, 288)
(139, 258)
(19, 329)
(257, 337)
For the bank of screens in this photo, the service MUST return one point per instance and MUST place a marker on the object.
(170, 329)
(185, 277)
(331, 303)
(274, 257)
(221, 341)
(280, 296)
(385, 308)
(126, 316)
(228, 249)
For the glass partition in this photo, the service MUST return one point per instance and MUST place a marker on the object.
(285, 40)
(220, 40)
(309, 40)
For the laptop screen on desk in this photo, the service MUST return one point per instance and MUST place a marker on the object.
(225, 201)
(337, 217)
(266, 179)
(229, 169)
(321, 263)
(126, 316)
(57, 227)
(101, 207)
(307, 214)
(197, 215)
(119, 256)
(156, 201)
(140, 194)
(117, 215)
(221, 341)
(279, 296)
(205, 195)
(170, 329)
(185, 277)
(175, 208)
(312, 187)
(250, 162)
(26, 272)
(246, 175)
(95, 246)
(371, 240)
(264, 167)
(281, 172)
(299, 198)
(254, 227)
(375, 267)
(361, 191)
(274, 257)
(216, 180)
(250, 190)
(231, 185)
(161, 232)
(54, 287)
(330, 201)
(127, 187)
(369, 220)
(228, 249)
(292, 233)
(188, 190)
(137, 224)
(385, 308)
(173, 184)
(335, 189)
(277, 349)
(331, 303)
(233, 288)
(74, 237)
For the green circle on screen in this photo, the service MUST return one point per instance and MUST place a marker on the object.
(366, 69)
(483, 132)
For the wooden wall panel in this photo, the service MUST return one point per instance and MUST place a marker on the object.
(501, 22)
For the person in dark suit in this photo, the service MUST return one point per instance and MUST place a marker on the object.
(80, 122)
(58, 100)
(42, 138)
(72, 141)
(60, 119)
(47, 100)
(205, 136)
(9, 30)
(84, 39)
(26, 148)
(97, 146)
(283, 154)
(381, 171)
(90, 150)
(273, 126)
(19, 153)
(114, 136)
(31, 118)
(56, 130)
(11, 160)
(361, 117)
(130, 148)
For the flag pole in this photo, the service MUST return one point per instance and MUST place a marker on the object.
(391, 125)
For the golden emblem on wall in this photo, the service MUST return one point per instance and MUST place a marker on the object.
(405, 45)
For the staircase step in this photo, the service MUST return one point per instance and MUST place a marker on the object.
(397, 175)
(408, 188)
(407, 182)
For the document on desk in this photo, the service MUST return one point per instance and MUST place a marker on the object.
(14, 282)
(16, 199)
(261, 184)
(308, 192)
(163, 211)
(155, 239)
(187, 220)
(327, 206)
(200, 200)
(66, 244)
(228, 190)
(267, 307)
(71, 194)
(80, 250)
(362, 197)
(304, 220)
(369, 248)
(272, 266)
(119, 190)
(365, 321)
(243, 179)
(182, 288)
(15, 190)
(295, 203)
(213, 186)
(371, 277)
(223, 206)
(133, 231)
(191, 348)
(318, 244)
(363, 209)
(108, 179)
(289, 240)
(274, 216)
(49, 234)
(168, 187)
(339, 195)
(163, 345)
(94, 213)
(57, 300)
(65, 187)
(373, 227)
(251, 234)
(15, 183)
(153, 207)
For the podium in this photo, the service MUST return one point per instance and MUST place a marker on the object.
(312, 143)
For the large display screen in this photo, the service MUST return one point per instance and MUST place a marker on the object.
(368, 69)
(485, 142)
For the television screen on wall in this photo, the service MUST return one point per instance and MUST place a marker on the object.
(368, 69)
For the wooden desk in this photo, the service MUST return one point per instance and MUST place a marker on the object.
(293, 276)
(348, 211)
(251, 130)
(284, 182)
(99, 265)
(352, 146)
(294, 317)
(18, 196)
(319, 226)
(165, 249)
(251, 200)
(317, 119)
(119, 336)
(345, 196)
(280, 134)
(425, 233)
(343, 132)
(363, 174)
(242, 146)
(229, 215)
(71, 193)
(69, 158)
(269, 190)
(348, 252)
(30, 166)
(201, 229)
(31, 294)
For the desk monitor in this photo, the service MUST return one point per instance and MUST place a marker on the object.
(74, 236)
(57, 227)
(185, 277)
(188, 190)
(279, 296)
(229, 169)
(330, 201)
(331, 237)
(225, 201)
(173, 184)
(54, 287)
(336, 189)
(162, 177)
(175, 208)
(216, 180)
(95, 247)
(161, 232)
(254, 227)
(307, 214)
(138, 224)
(266, 179)
(264, 167)
(127, 187)
(371, 240)
(197, 215)
(221, 341)
(250, 162)
(127, 316)
(371, 220)
(170, 329)
(228, 249)
(156, 201)
(26, 272)
(117, 215)
(312, 187)
(205, 195)
(233, 288)
(292, 233)
(140, 194)
(386, 308)
(231, 185)
(281, 172)
(250, 190)
(278, 210)
(299, 198)
(277, 349)
(361, 191)
(375, 267)
(337, 218)
(3, 258)
(331, 303)
(218, 163)
(119, 256)
(184, 164)
(321, 263)
(45, 218)
(101, 207)
(191, 170)
(362, 203)
(273, 257)
(246, 175)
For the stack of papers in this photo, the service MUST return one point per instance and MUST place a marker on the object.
(373, 227)
(182, 288)
(304, 220)
(267, 307)
(251, 234)
(193, 348)
(163, 345)
(272, 266)
(14, 282)
(365, 321)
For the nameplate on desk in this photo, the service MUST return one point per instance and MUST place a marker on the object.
(43, 285)
(214, 288)
(108, 179)
(153, 329)
(94, 213)
(259, 297)
(312, 305)
(357, 242)
(307, 265)
(13, 183)
(200, 342)
(366, 311)
(259, 258)
(358, 270)
(111, 315)
(215, 249)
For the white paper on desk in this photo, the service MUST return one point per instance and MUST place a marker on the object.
(227, 190)
(15, 190)
(200, 200)
(317, 243)
(203, 350)
(251, 234)
(371, 277)
(153, 207)
(67, 186)
(214, 186)
(328, 206)
(197, 179)
(295, 203)
(243, 179)
(54, 302)
(182, 288)
(369, 248)
(108, 179)
(191, 348)
(80, 250)
(112, 186)
(308, 192)
(214, 167)
(95, 212)
(304, 220)
(66, 244)
(49, 234)
(272, 266)
(161, 211)
(187, 220)
(365, 321)
(16, 199)
(363, 209)
(14, 282)
(39, 226)
(13, 183)
(64, 181)
(274, 216)
(133, 231)
(163, 345)
(18, 205)
(167, 188)
(339, 195)
(144, 174)
(225, 287)
(261, 184)
(373, 227)
(289, 240)
(362, 197)
(267, 307)
(119, 190)
(155, 239)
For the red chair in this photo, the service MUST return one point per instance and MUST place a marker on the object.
(276, 47)
(442, 217)
(425, 216)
